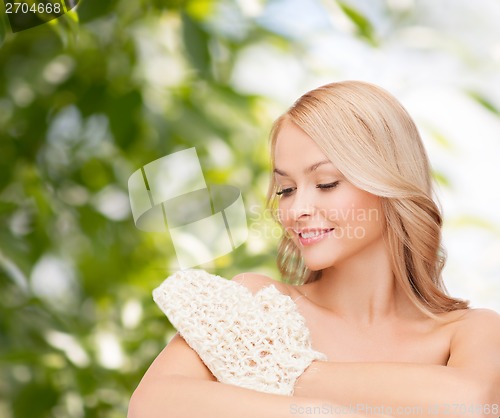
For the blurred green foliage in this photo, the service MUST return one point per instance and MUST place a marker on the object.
(86, 100)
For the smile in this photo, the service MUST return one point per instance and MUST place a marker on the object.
(312, 236)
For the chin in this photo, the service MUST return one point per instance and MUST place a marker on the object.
(316, 265)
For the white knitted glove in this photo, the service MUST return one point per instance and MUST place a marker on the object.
(258, 342)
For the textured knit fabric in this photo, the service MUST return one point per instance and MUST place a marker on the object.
(258, 342)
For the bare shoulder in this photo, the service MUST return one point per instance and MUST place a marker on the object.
(255, 281)
(478, 319)
(476, 340)
(480, 326)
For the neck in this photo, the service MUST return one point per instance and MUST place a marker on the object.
(362, 289)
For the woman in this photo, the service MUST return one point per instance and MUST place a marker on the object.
(351, 188)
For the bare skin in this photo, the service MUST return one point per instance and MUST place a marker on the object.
(412, 340)
(418, 360)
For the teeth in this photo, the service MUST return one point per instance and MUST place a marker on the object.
(313, 234)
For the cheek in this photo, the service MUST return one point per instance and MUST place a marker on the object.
(283, 212)
(371, 205)
(285, 218)
(357, 207)
(368, 211)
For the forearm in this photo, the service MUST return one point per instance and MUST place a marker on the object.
(392, 385)
(183, 397)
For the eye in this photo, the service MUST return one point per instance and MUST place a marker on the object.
(328, 185)
(286, 192)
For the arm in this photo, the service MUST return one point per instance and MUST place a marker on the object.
(178, 385)
(471, 377)
(475, 349)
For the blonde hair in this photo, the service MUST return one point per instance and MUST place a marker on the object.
(372, 140)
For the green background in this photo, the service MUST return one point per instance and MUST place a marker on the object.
(77, 118)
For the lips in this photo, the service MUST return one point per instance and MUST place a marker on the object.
(311, 236)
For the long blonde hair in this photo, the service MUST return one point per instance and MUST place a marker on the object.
(372, 140)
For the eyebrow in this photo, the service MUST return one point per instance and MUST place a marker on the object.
(308, 170)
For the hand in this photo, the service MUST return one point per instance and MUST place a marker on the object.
(259, 341)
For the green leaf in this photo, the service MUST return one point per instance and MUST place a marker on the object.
(3, 29)
(439, 137)
(484, 102)
(441, 179)
(363, 25)
(474, 221)
(196, 44)
(200, 9)
(35, 400)
(91, 10)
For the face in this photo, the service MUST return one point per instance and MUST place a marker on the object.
(330, 220)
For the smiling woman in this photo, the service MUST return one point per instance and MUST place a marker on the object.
(362, 322)
(371, 142)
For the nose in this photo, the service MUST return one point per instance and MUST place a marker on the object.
(301, 205)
